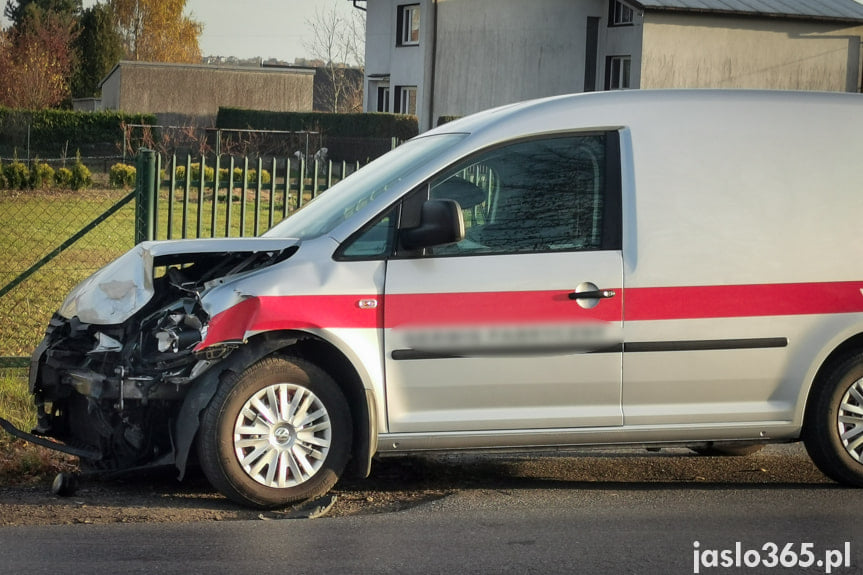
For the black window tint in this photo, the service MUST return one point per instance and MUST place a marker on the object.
(533, 196)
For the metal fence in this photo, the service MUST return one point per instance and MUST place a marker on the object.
(229, 197)
(37, 270)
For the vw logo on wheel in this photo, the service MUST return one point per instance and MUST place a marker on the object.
(282, 434)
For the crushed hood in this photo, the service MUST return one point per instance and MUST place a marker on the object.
(123, 287)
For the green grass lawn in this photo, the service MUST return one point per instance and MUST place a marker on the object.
(16, 405)
(34, 223)
(22, 462)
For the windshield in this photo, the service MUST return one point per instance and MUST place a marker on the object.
(343, 200)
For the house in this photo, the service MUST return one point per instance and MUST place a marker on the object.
(437, 58)
(193, 93)
(86, 104)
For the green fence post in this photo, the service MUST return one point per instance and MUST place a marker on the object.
(272, 215)
(157, 185)
(286, 207)
(214, 215)
(173, 186)
(302, 185)
(243, 197)
(229, 198)
(201, 183)
(187, 186)
(145, 190)
(140, 168)
(258, 190)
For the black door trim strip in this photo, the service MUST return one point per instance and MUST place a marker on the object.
(630, 347)
(706, 345)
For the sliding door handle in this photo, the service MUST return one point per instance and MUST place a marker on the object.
(593, 294)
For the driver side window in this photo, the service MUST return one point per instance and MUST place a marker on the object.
(529, 197)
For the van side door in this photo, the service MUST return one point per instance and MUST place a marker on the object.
(490, 333)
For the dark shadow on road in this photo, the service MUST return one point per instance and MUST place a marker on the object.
(399, 483)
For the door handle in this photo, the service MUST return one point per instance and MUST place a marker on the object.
(593, 294)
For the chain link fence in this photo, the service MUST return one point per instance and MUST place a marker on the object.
(33, 225)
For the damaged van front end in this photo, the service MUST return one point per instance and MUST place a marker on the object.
(121, 353)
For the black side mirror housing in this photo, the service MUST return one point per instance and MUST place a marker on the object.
(441, 222)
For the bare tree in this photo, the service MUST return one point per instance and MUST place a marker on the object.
(339, 42)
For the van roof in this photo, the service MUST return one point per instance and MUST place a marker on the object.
(611, 110)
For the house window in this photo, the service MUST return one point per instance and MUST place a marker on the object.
(408, 25)
(620, 13)
(617, 72)
(406, 100)
(383, 99)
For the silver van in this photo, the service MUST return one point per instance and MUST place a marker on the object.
(640, 268)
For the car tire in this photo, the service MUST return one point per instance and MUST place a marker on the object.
(276, 434)
(713, 450)
(833, 426)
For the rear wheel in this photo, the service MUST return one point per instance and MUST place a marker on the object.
(833, 429)
(278, 433)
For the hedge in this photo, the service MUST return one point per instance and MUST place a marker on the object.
(16, 175)
(51, 131)
(365, 125)
(122, 176)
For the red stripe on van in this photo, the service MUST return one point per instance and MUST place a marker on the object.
(489, 308)
(495, 308)
(696, 302)
(270, 313)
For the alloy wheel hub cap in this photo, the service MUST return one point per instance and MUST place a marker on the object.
(282, 435)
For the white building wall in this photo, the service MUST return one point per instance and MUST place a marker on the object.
(379, 34)
(477, 54)
(701, 51)
(494, 52)
(394, 65)
(623, 41)
(487, 53)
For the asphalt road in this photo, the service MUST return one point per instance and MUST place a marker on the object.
(551, 523)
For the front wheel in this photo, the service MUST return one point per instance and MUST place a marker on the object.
(277, 434)
(833, 428)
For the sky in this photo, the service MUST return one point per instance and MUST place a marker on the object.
(254, 28)
(258, 28)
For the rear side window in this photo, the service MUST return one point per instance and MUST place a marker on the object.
(543, 195)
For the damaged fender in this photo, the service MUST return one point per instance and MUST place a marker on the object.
(202, 391)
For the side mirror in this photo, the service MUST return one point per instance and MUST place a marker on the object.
(441, 222)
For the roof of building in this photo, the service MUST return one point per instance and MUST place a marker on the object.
(266, 69)
(843, 10)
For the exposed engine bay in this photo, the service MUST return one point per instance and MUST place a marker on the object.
(119, 356)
